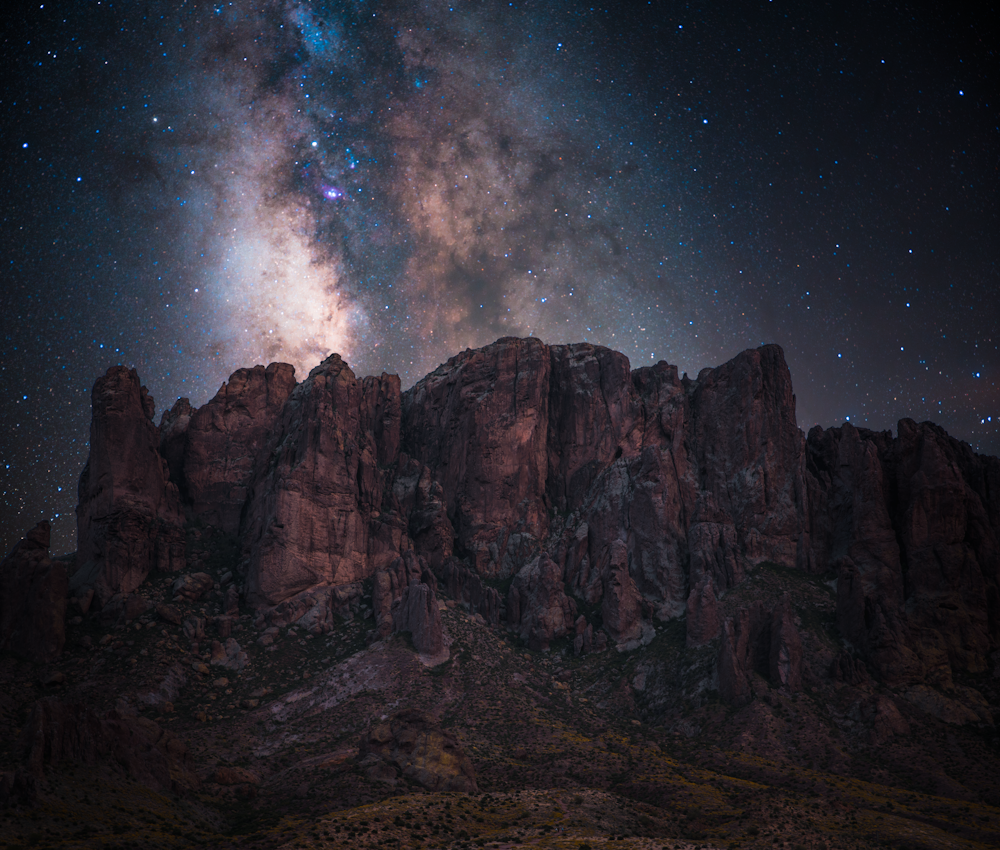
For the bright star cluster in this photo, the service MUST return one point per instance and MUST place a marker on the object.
(194, 187)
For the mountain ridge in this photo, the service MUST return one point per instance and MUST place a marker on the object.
(568, 504)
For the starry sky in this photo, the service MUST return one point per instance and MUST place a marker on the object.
(192, 187)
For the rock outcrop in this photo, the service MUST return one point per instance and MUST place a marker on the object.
(757, 642)
(312, 514)
(413, 744)
(910, 526)
(223, 438)
(537, 606)
(128, 516)
(33, 590)
(480, 423)
(703, 624)
(405, 600)
(464, 585)
(418, 614)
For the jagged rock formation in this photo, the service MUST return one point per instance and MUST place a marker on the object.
(33, 590)
(702, 614)
(537, 606)
(128, 515)
(910, 526)
(312, 512)
(480, 423)
(638, 496)
(211, 450)
(405, 600)
(463, 585)
(413, 743)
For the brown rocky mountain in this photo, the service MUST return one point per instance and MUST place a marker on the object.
(536, 598)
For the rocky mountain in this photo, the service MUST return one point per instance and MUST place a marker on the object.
(408, 596)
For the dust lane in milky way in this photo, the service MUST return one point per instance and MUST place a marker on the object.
(195, 187)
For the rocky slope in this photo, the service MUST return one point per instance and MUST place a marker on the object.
(682, 565)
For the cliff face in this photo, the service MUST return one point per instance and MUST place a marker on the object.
(606, 499)
(910, 526)
(128, 516)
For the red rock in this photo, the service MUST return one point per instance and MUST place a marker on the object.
(192, 587)
(313, 509)
(750, 457)
(418, 614)
(480, 423)
(224, 437)
(593, 414)
(537, 607)
(756, 641)
(948, 522)
(910, 524)
(621, 607)
(389, 586)
(128, 516)
(33, 591)
(419, 501)
(463, 585)
(702, 614)
(169, 613)
(785, 655)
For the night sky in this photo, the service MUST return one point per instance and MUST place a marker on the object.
(190, 187)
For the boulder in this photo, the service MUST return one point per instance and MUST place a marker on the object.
(413, 743)
(192, 587)
(33, 591)
(228, 654)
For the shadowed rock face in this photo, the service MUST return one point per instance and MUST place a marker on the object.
(759, 642)
(537, 606)
(223, 438)
(128, 514)
(33, 591)
(135, 747)
(910, 527)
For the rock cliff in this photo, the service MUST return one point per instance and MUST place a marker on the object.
(603, 500)
(128, 515)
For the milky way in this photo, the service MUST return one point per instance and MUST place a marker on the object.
(194, 187)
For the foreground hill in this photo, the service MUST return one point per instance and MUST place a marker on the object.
(538, 598)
